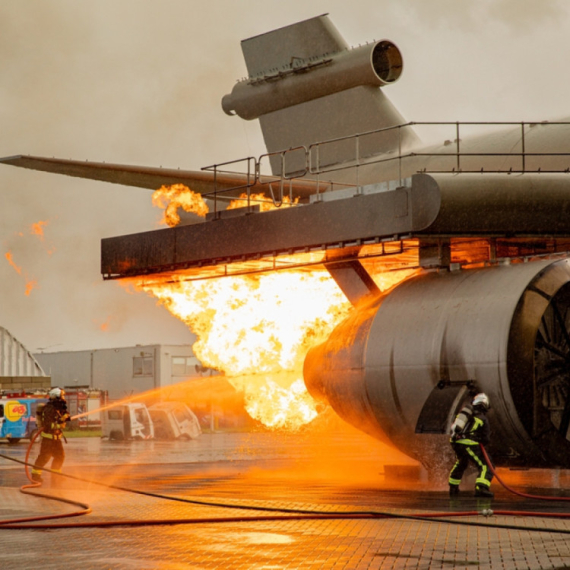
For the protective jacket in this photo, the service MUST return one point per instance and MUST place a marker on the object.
(469, 431)
(471, 427)
(54, 418)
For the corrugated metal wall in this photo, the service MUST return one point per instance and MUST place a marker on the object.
(15, 359)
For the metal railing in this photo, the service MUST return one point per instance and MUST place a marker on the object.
(314, 150)
(251, 178)
(309, 164)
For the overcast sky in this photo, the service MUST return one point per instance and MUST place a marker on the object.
(140, 82)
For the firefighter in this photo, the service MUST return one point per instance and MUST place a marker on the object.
(469, 432)
(53, 419)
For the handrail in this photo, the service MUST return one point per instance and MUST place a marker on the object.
(315, 148)
(310, 158)
(285, 175)
(215, 168)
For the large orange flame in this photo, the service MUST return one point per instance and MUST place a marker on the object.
(257, 330)
(170, 198)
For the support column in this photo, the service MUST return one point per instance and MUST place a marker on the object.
(435, 252)
(354, 281)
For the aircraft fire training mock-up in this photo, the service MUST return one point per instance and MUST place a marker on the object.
(477, 225)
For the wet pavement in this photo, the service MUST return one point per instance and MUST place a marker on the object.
(239, 503)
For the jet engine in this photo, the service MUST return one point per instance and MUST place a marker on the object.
(306, 79)
(400, 367)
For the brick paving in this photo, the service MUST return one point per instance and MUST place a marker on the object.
(262, 481)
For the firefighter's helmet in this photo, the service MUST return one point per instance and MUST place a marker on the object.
(481, 400)
(56, 393)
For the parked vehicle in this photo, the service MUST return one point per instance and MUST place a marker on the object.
(174, 420)
(86, 403)
(127, 422)
(18, 418)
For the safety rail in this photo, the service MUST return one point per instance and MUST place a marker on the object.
(309, 163)
(282, 155)
(250, 172)
(283, 194)
(314, 150)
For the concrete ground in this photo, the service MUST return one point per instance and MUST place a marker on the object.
(339, 473)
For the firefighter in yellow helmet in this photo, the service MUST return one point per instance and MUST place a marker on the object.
(53, 419)
(469, 431)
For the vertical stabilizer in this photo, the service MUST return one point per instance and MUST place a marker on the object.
(276, 49)
(306, 85)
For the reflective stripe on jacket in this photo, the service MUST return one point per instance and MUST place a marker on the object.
(477, 431)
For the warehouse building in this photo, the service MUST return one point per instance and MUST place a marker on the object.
(149, 373)
(19, 370)
(122, 372)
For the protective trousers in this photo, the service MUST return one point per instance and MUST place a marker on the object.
(470, 454)
(50, 448)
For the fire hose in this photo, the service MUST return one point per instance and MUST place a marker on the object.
(513, 491)
(286, 514)
(85, 509)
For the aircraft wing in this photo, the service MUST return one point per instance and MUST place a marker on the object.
(140, 176)
(201, 181)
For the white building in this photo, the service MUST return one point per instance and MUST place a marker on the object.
(122, 372)
(19, 370)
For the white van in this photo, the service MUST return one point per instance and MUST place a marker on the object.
(174, 420)
(127, 421)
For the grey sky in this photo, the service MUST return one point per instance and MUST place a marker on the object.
(140, 82)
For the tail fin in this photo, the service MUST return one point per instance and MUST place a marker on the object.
(305, 85)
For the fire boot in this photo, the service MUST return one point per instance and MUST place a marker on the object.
(453, 490)
(481, 491)
(37, 478)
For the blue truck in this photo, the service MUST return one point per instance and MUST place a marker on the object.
(18, 418)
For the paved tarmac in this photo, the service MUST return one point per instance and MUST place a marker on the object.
(272, 475)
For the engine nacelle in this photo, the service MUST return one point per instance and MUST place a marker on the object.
(506, 328)
(376, 64)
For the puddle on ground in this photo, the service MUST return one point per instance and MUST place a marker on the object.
(259, 538)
